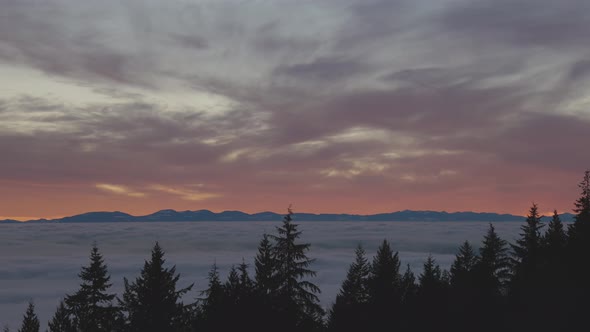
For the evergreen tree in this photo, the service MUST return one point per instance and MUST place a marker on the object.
(61, 321)
(432, 299)
(152, 302)
(408, 286)
(30, 320)
(213, 303)
(491, 274)
(463, 289)
(349, 311)
(463, 265)
(493, 267)
(297, 298)
(6, 329)
(91, 305)
(526, 257)
(582, 204)
(578, 250)
(555, 238)
(384, 287)
(265, 266)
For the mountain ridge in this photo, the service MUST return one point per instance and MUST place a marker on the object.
(170, 215)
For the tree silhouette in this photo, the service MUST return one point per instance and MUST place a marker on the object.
(297, 299)
(432, 297)
(91, 306)
(265, 267)
(555, 239)
(61, 321)
(491, 274)
(526, 250)
(578, 249)
(463, 289)
(30, 321)
(384, 287)
(349, 312)
(152, 302)
(213, 303)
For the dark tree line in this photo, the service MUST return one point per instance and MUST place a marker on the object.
(538, 283)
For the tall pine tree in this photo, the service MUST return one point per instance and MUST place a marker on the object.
(349, 312)
(463, 289)
(30, 320)
(297, 296)
(492, 273)
(61, 321)
(91, 306)
(526, 251)
(385, 291)
(432, 297)
(555, 239)
(152, 303)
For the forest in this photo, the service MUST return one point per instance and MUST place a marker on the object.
(541, 282)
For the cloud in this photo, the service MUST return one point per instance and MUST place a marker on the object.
(334, 100)
(119, 190)
(186, 194)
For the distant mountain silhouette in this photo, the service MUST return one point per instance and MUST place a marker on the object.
(206, 215)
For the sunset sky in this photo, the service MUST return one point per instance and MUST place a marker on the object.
(343, 106)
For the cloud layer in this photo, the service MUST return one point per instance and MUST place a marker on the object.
(339, 106)
(45, 269)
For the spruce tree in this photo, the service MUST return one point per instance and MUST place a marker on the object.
(297, 297)
(432, 296)
(349, 311)
(91, 306)
(555, 239)
(213, 303)
(61, 321)
(463, 289)
(408, 286)
(384, 287)
(265, 268)
(30, 320)
(578, 250)
(152, 302)
(462, 268)
(491, 275)
(493, 267)
(526, 256)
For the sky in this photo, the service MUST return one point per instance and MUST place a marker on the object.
(346, 106)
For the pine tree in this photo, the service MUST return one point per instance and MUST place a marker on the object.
(526, 257)
(214, 302)
(578, 249)
(91, 305)
(152, 302)
(491, 274)
(384, 286)
(297, 296)
(30, 320)
(408, 286)
(463, 265)
(432, 299)
(555, 238)
(61, 321)
(349, 311)
(493, 267)
(582, 204)
(463, 289)
(265, 267)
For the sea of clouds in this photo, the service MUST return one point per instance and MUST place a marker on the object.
(41, 262)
